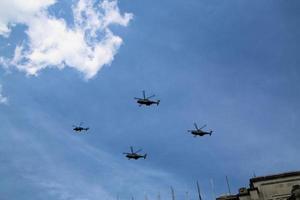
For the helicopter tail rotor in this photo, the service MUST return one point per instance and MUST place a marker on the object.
(210, 132)
(145, 156)
(158, 101)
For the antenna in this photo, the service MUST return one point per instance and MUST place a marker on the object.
(228, 185)
(158, 196)
(173, 193)
(198, 189)
(254, 175)
(187, 196)
(213, 188)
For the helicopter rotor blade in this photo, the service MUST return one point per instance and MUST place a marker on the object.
(137, 98)
(131, 148)
(144, 95)
(150, 96)
(126, 153)
(138, 151)
(196, 126)
(203, 126)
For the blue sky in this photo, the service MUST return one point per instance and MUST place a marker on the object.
(232, 65)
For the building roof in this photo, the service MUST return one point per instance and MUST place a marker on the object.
(274, 176)
(228, 197)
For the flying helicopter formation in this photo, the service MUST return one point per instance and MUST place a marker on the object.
(147, 102)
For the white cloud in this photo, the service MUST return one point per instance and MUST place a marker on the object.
(19, 11)
(3, 99)
(87, 46)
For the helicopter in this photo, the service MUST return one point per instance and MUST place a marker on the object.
(79, 128)
(146, 100)
(199, 131)
(134, 154)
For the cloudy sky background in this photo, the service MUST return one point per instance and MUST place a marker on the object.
(233, 65)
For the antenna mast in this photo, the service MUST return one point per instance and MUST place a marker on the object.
(213, 188)
(228, 185)
(187, 196)
(198, 189)
(173, 193)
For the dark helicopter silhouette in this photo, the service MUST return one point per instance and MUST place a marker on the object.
(199, 131)
(146, 100)
(134, 154)
(79, 128)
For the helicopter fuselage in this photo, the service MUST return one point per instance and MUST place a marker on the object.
(200, 133)
(79, 129)
(147, 102)
(135, 156)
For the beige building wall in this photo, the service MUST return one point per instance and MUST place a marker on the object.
(276, 187)
(285, 186)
